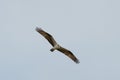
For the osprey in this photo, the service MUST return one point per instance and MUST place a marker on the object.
(55, 45)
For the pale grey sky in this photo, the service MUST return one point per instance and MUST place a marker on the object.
(89, 28)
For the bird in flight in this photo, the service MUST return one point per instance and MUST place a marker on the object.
(55, 45)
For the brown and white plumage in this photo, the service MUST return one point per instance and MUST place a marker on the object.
(56, 46)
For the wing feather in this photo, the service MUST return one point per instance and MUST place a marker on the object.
(68, 53)
(49, 37)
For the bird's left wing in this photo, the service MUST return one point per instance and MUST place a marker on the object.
(68, 53)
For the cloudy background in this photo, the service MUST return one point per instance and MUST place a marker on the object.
(89, 28)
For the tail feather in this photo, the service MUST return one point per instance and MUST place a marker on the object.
(52, 50)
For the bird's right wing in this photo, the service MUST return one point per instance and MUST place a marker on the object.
(49, 37)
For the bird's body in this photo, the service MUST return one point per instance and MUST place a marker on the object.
(56, 46)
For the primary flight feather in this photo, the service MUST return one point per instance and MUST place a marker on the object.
(55, 45)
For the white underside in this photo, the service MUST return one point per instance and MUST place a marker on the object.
(56, 46)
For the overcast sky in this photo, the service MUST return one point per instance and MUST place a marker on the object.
(89, 28)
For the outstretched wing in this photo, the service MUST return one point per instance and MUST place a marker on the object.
(47, 36)
(69, 54)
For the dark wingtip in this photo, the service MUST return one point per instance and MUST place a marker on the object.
(77, 61)
(38, 29)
